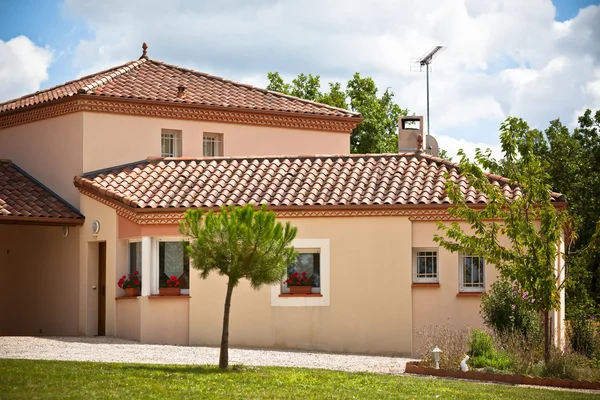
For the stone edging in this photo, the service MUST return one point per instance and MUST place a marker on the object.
(415, 367)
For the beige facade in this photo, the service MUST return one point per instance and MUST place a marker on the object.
(106, 138)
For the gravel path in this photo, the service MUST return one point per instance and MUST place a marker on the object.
(109, 349)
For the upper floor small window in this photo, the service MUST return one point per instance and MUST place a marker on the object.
(212, 145)
(170, 143)
(472, 273)
(425, 268)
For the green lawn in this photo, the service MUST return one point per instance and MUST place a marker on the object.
(27, 379)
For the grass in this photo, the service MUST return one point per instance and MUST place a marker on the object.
(28, 379)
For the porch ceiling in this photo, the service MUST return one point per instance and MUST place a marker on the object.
(24, 200)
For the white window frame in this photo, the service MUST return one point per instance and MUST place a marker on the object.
(156, 260)
(461, 282)
(216, 140)
(175, 136)
(308, 301)
(417, 279)
(129, 254)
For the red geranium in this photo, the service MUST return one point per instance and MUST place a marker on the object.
(131, 281)
(298, 279)
(173, 282)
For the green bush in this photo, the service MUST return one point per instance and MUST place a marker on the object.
(567, 365)
(508, 309)
(583, 336)
(483, 353)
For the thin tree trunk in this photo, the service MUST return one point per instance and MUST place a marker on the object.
(547, 343)
(224, 355)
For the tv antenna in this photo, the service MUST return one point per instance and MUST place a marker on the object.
(426, 61)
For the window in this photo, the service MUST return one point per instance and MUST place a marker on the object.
(472, 273)
(313, 258)
(172, 260)
(135, 257)
(425, 268)
(309, 261)
(212, 145)
(170, 143)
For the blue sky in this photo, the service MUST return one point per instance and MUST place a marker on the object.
(537, 59)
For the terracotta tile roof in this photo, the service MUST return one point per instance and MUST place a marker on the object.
(347, 180)
(147, 79)
(23, 197)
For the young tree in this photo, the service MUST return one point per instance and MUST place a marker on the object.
(238, 242)
(530, 221)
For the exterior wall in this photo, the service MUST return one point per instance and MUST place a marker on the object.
(39, 280)
(88, 260)
(112, 139)
(50, 150)
(440, 305)
(128, 324)
(165, 320)
(370, 305)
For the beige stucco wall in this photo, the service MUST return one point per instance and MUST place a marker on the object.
(39, 280)
(370, 303)
(50, 150)
(112, 139)
(128, 319)
(440, 305)
(165, 320)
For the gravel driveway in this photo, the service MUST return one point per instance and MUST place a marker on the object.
(109, 349)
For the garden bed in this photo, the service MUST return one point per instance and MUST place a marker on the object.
(417, 367)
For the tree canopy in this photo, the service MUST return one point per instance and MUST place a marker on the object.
(240, 243)
(530, 222)
(377, 133)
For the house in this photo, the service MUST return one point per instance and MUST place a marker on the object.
(102, 168)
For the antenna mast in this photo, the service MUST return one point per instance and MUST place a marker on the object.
(426, 61)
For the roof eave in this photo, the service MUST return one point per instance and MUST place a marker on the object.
(41, 221)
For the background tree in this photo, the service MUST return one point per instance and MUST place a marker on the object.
(572, 159)
(238, 242)
(530, 222)
(377, 133)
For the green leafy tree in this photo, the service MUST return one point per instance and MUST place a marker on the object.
(530, 222)
(571, 159)
(377, 133)
(240, 243)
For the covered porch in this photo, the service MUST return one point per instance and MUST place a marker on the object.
(39, 257)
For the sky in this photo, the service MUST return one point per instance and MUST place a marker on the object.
(534, 59)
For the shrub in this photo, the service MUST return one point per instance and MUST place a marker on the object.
(524, 352)
(567, 365)
(508, 309)
(584, 336)
(453, 343)
(484, 354)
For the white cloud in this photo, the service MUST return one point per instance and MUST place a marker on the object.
(23, 67)
(504, 57)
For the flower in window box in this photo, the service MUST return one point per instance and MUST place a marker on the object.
(130, 282)
(172, 282)
(297, 279)
(170, 287)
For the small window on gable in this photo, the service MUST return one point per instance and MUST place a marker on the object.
(472, 273)
(425, 266)
(135, 257)
(170, 143)
(212, 145)
(309, 263)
